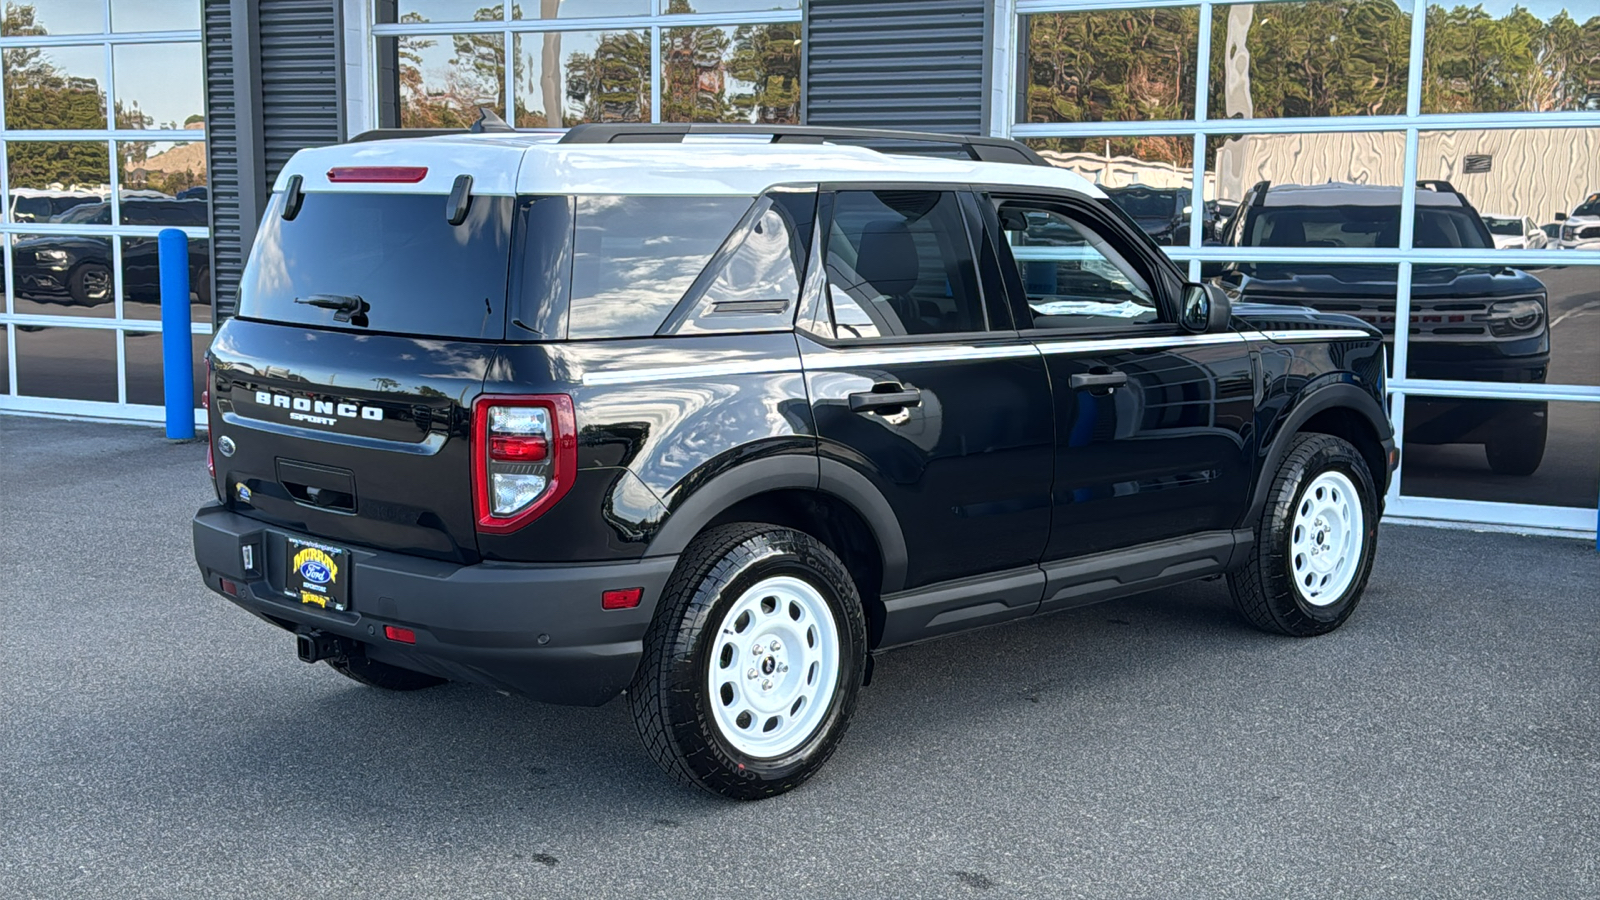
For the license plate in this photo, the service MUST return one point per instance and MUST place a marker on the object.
(318, 575)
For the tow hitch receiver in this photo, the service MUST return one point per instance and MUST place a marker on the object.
(315, 646)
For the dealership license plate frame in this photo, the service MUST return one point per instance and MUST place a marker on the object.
(302, 573)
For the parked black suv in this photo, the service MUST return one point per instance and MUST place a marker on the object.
(1468, 323)
(712, 422)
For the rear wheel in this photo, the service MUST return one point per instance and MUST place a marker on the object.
(89, 284)
(1315, 543)
(382, 675)
(752, 665)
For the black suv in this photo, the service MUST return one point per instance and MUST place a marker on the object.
(713, 418)
(1468, 323)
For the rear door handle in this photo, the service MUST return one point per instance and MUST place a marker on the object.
(885, 396)
(1094, 380)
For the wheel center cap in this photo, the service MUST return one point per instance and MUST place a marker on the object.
(768, 666)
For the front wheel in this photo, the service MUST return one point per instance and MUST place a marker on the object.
(752, 665)
(1315, 543)
(1516, 443)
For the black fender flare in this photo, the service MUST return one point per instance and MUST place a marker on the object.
(1309, 403)
(772, 473)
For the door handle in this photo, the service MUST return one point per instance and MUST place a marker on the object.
(1098, 380)
(885, 396)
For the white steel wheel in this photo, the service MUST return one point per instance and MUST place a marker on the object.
(773, 667)
(1325, 540)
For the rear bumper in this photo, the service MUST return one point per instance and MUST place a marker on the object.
(538, 630)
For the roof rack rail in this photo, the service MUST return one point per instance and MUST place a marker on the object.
(983, 149)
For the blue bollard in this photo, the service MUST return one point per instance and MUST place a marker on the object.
(177, 347)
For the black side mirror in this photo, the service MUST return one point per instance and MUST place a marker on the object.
(1561, 217)
(1205, 309)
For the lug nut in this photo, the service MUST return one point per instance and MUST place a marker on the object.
(766, 684)
(776, 646)
(751, 675)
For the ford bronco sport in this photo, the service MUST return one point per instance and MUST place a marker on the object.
(710, 416)
(1468, 323)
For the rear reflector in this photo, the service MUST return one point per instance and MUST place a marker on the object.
(378, 174)
(626, 598)
(229, 588)
(403, 635)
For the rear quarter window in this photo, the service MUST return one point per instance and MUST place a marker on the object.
(417, 273)
(635, 257)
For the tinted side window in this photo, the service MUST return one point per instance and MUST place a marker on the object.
(1072, 277)
(635, 257)
(899, 262)
(754, 281)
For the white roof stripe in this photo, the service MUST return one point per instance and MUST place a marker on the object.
(508, 164)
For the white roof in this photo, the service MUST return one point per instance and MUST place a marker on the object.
(1345, 194)
(535, 163)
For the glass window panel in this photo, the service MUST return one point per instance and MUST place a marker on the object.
(67, 275)
(578, 9)
(724, 6)
(1546, 174)
(158, 86)
(1354, 289)
(141, 279)
(1337, 189)
(5, 360)
(50, 178)
(1150, 177)
(634, 257)
(441, 80)
(154, 15)
(744, 73)
(1505, 451)
(1068, 281)
(1291, 60)
(1110, 65)
(55, 87)
(142, 351)
(1511, 56)
(588, 76)
(1539, 325)
(407, 11)
(69, 363)
(55, 17)
(163, 183)
(898, 263)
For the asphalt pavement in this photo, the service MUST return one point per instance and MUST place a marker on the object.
(156, 741)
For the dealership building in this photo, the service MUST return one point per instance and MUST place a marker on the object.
(1263, 143)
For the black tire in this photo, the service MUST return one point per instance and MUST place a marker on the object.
(382, 675)
(671, 697)
(1516, 442)
(89, 284)
(1264, 588)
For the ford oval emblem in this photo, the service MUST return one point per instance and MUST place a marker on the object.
(315, 572)
(225, 445)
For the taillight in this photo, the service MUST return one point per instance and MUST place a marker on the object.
(378, 174)
(524, 456)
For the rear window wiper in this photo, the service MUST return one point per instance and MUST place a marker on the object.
(346, 307)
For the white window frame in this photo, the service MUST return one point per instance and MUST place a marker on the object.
(1006, 62)
(118, 322)
(652, 22)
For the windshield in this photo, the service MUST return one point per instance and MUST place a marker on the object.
(1144, 203)
(1589, 207)
(1498, 225)
(1363, 226)
(387, 262)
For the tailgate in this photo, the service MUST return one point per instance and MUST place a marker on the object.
(360, 439)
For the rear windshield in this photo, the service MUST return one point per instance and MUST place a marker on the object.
(1503, 226)
(394, 259)
(1363, 226)
(1142, 203)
